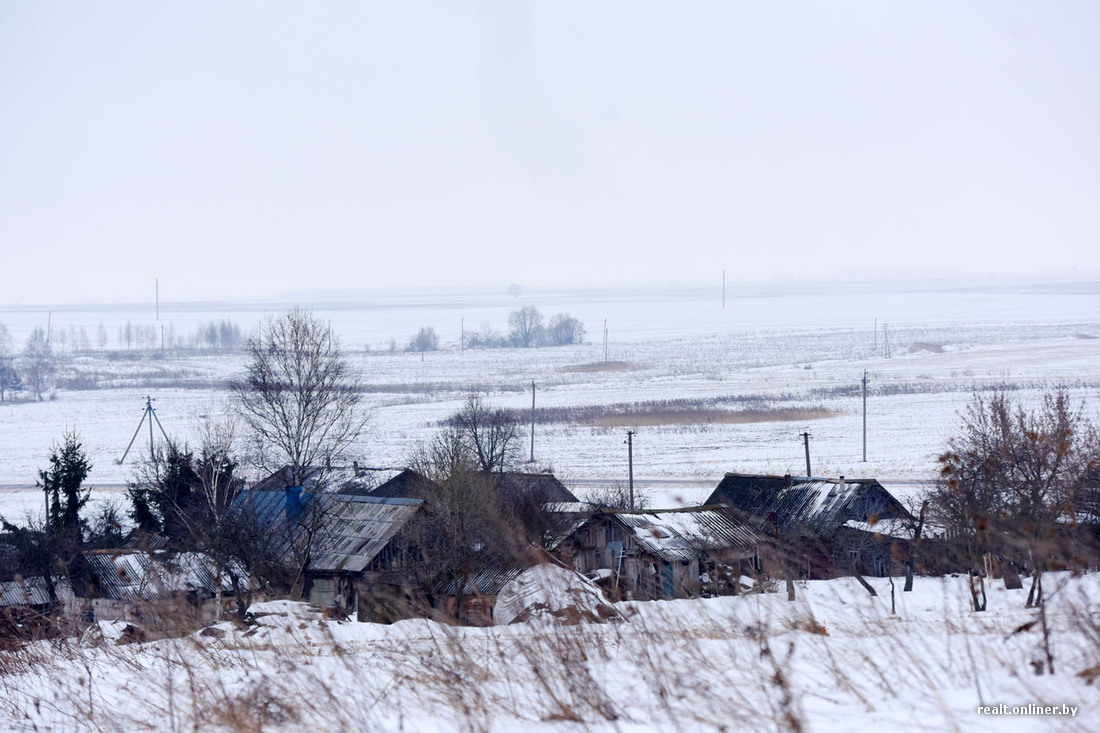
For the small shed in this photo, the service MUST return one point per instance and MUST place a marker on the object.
(154, 588)
(657, 553)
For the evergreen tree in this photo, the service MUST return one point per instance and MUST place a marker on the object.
(62, 483)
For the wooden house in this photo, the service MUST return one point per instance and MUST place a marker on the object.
(824, 527)
(654, 554)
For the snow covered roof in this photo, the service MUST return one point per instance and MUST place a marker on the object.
(685, 534)
(132, 575)
(32, 591)
(816, 504)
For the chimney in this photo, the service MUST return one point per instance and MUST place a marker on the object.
(840, 481)
(788, 482)
(293, 503)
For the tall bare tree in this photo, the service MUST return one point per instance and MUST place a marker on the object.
(38, 362)
(564, 330)
(490, 433)
(462, 529)
(300, 397)
(526, 325)
(9, 378)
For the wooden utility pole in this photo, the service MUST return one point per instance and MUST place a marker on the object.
(630, 463)
(806, 441)
(532, 421)
(864, 415)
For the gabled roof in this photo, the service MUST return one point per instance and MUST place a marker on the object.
(405, 483)
(132, 575)
(816, 505)
(545, 486)
(32, 591)
(356, 528)
(683, 534)
(352, 529)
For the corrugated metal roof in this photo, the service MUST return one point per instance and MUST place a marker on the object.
(485, 581)
(32, 591)
(685, 534)
(351, 529)
(356, 528)
(814, 504)
(127, 576)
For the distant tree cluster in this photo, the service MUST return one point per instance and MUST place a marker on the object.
(425, 339)
(528, 328)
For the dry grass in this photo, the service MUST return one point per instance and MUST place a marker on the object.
(729, 410)
(712, 416)
(737, 664)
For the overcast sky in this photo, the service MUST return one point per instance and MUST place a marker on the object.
(236, 149)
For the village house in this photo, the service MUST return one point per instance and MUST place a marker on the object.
(359, 550)
(655, 554)
(154, 589)
(822, 527)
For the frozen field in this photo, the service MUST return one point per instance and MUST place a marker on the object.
(783, 348)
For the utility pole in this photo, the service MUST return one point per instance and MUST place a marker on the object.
(630, 462)
(532, 421)
(806, 441)
(864, 415)
(886, 341)
(150, 414)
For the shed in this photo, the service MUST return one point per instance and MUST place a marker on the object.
(657, 553)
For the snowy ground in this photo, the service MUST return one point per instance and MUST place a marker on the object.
(835, 660)
(782, 346)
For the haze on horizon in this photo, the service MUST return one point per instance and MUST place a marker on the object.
(251, 149)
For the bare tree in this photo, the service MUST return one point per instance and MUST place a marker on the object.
(526, 325)
(425, 340)
(299, 396)
(462, 529)
(564, 330)
(9, 378)
(1012, 478)
(490, 434)
(617, 496)
(38, 362)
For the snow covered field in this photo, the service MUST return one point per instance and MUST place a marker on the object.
(775, 346)
(835, 660)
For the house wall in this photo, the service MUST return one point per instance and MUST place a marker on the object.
(636, 573)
